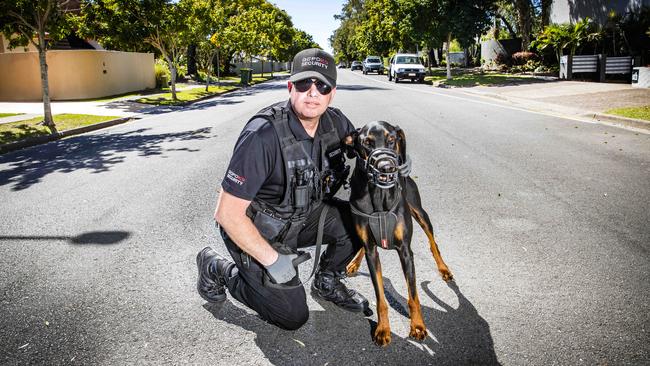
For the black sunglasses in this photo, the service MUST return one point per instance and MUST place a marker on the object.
(305, 84)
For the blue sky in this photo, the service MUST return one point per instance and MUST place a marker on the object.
(314, 17)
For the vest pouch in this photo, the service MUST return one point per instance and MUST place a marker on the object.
(270, 227)
(301, 196)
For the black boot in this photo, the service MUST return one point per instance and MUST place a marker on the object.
(214, 270)
(328, 286)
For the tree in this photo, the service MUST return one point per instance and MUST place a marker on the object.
(38, 22)
(463, 20)
(160, 23)
(567, 36)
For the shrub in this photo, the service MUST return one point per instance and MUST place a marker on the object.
(162, 73)
(502, 59)
(522, 58)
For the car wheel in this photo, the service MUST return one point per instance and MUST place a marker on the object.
(421, 80)
(396, 79)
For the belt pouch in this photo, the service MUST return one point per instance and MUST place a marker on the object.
(269, 226)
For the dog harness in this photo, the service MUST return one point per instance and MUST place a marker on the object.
(382, 223)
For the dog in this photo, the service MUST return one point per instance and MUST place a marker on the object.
(383, 202)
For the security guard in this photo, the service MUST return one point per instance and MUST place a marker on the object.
(277, 196)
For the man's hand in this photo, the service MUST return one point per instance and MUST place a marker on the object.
(282, 270)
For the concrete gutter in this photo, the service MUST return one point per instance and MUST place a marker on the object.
(618, 120)
(32, 141)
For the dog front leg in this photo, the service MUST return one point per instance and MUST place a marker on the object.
(382, 333)
(423, 219)
(418, 330)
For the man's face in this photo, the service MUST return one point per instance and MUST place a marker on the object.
(311, 103)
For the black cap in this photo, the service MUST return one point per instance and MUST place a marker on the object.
(314, 63)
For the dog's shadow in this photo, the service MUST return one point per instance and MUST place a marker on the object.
(338, 337)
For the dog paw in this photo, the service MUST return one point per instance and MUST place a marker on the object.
(418, 332)
(382, 337)
(446, 275)
(352, 268)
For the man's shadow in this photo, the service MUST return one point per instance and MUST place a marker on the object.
(338, 337)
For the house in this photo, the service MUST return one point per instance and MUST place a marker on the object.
(77, 69)
(570, 11)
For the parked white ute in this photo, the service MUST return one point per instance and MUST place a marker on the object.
(406, 66)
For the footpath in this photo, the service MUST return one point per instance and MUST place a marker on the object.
(586, 101)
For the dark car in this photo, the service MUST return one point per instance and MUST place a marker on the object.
(356, 65)
(373, 64)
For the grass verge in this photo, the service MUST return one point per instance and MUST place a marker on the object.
(468, 79)
(632, 112)
(16, 131)
(2, 115)
(185, 96)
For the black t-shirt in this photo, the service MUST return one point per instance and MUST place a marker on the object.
(256, 168)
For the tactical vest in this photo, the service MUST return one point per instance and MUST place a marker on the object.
(306, 184)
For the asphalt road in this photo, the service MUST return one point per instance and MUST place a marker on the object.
(542, 220)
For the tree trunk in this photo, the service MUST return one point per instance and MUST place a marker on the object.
(448, 63)
(172, 69)
(191, 61)
(207, 71)
(524, 22)
(546, 12)
(218, 69)
(48, 121)
(510, 29)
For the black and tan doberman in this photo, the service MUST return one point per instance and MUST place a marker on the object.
(383, 201)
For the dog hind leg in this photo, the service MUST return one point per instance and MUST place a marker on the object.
(415, 207)
(353, 267)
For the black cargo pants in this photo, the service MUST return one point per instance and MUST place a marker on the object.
(287, 307)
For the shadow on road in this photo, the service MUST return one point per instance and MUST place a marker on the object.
(358, 87)
(337, 337)
(92, 237)
(95, 152)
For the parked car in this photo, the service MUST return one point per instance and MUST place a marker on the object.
(342, 65)
(406, 66)
(356, 65)
(373, 64)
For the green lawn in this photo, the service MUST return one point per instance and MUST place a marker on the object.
(15, 131)
(2, 115)
(632, 112)
(466, 79)
(185, 96)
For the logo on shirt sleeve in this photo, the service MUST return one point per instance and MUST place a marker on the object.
(238, 179)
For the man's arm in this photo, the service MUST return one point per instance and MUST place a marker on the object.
(231, 215)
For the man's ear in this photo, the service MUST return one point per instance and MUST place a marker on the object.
(289, 86)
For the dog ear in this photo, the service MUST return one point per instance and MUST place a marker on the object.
(401, 143)
(349, 142)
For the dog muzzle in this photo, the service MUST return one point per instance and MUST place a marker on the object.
(382, 167)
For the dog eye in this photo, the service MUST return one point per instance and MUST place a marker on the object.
(367, 141)
(391, 139)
